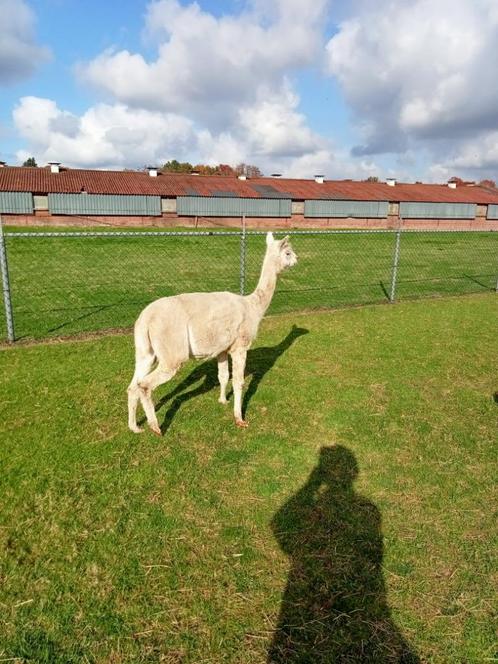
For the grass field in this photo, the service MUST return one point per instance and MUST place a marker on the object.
(65, 285)
(353, 520)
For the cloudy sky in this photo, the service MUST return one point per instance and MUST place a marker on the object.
(347, 88)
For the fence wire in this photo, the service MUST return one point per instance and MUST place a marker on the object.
(64, 283)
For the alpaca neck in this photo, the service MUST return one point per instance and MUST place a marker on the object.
(263, 293)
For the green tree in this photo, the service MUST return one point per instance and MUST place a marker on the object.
(175, 166)
(30, 162)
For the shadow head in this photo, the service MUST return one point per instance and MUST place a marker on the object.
(297, 331)
(338, 465)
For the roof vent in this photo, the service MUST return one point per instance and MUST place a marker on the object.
(319, 179)
(276, 175)
(391, 181)
(3, 164)
(452, 184)
(54, 166)
(242, 176)
(152, 171)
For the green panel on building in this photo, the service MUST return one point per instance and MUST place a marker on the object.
(492, 212)
(336, 208)
(104, 204)
(16, 202)
(437, 210)
(201, 206)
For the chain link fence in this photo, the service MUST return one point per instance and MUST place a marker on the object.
(64, 283)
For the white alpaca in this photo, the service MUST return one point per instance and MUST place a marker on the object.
(173, 329)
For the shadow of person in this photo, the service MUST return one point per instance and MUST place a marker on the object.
(334, 607)
(259, 362)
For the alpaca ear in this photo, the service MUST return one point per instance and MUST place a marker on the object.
(269, 239)
(285, 241)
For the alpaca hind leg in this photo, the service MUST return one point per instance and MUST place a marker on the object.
(223, 376)
(146, 385)
(143, 366)
(238, 367)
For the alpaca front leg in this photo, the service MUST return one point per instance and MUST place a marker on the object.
(223, 376)
(238, 367)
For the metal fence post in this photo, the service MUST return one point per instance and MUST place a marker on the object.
(4, 267)
(243, 251)
(394, 275)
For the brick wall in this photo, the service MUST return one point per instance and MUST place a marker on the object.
(169, 220)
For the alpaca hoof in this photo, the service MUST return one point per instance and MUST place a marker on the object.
(136, 429)
(155, 429)
(223, 401)
(242, 424)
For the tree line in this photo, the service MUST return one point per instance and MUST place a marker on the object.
(249, 170)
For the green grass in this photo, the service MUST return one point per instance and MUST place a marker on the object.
(62, 286)
(213, 543)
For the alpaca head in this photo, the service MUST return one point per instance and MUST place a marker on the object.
(281, 252)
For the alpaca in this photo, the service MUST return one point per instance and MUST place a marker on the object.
(173, 329)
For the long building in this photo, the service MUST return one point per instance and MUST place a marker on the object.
(57, 196)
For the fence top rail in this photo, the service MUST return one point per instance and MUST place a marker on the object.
(118, 233)
(238, 233)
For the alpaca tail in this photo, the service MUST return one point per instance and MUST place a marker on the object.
(143, 344)
(144, 360)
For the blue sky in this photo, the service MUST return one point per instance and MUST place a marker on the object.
(350, 89)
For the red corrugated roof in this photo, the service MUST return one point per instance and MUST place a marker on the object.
(380, 191)
(74, 180)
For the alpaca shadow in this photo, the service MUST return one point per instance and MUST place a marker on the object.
(334, 607)
(259, 362)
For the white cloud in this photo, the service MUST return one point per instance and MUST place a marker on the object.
(273, 127)
(207, 67)
(478, 157)
(19, 53)
(218, 91)
(419, 71)
(334, 164)
(116, 136)
(111, 136)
